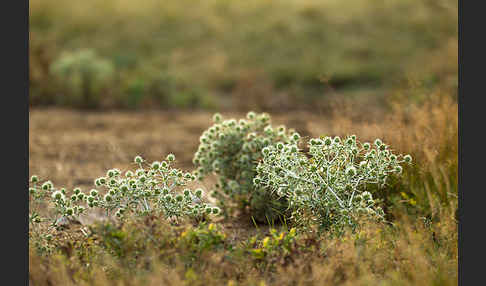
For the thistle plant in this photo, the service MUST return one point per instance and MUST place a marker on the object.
(330, 186)
(66, 205)
(230, 149)
(155, 188)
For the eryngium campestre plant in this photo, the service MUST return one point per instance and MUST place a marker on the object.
(231, 149)
(155, 188)
(330, 185)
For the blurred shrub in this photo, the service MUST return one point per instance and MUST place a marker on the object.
(84, 75)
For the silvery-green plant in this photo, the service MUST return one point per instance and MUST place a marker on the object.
(328, 184)
(66, 205)
(155, 188)
(231, 149)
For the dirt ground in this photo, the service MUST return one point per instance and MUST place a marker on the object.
(72, 148)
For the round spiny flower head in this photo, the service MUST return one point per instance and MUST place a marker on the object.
(110, 173)
(32, 191)
(351, 171)
(77, 191)
(407, 158)
(296, 136)
(47, 185)
(187, 192)
(294, 149)
(367, 146)
(179, 198)
(34, 179)
(164, 164)
(216, 210)
(398, 169)
(257, 181)
(266, 151)
(80, 196)
(349, 141)
(69, 211)
(63, 191)
(98, 183)
(250, 115)
(90, 199)
(57, 195)
(217, 118)
(337, 139)
(327, 141)
(382, 147)
(155, 165)
(199, 192)
(378, 142)
(124, 188)
(280, 145)
(128, 174)
(171, 157)
(112, 182)
(138, 159)
(140, 172)
(208, 209)
(393, 157)
(74, 198)
(93, 192)
(268, 129)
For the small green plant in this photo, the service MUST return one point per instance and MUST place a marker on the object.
(330, 186)
(231, 150)
(155, 188)
(83, 74)
(278, 243)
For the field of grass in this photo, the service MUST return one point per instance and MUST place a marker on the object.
(113, 79)
(419, 247)
(224, 54)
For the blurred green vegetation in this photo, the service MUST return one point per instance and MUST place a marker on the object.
(228, 54)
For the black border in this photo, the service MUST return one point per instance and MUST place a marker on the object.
(14, 23)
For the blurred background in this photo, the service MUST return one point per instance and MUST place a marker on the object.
(113, 79)
(239, 55)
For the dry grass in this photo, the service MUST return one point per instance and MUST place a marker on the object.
(72, 148)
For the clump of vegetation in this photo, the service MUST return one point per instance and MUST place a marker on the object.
(330, 186)
(231, 150)
(154, 189)
(84, 74)
(157, 189)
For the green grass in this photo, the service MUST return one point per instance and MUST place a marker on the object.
(218, 53)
